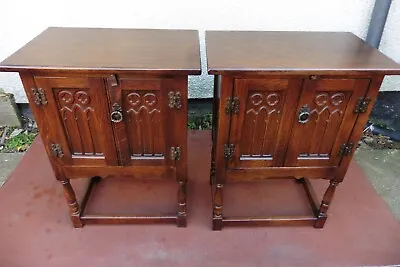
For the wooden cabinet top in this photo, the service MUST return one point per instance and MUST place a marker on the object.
(231, 52)
(121, 50)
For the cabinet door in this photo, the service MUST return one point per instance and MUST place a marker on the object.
(77, 113)
(145, 135)
(260, 131)
(316, 138)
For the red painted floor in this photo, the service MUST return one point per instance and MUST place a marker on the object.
(35, 229)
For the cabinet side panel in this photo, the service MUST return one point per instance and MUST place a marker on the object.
(362, 119)
(223, 124)
(216, 98)
(180, 127)
(44, 130)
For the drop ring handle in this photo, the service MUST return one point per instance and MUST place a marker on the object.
(116, 114)
(304, 114)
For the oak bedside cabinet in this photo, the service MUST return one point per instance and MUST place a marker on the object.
(111, 102)
(289, 104)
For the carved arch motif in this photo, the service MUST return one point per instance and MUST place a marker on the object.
(324, 123)
(261, 123)
(77, 113)
(145, 130)
(142, 102)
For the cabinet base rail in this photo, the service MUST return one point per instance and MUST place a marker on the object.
(269, 221)
(317, 219)
(80, 218)
(123, 219)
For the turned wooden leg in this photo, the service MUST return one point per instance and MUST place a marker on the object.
(217, 211)
(212, 165)
(326, 201)
(181, 219)
(212, 171)
(72, 203)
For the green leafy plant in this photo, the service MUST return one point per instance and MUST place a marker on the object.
(19, 143)
(203, 122)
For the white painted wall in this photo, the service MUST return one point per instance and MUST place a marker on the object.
(390, 44)
(21, 20)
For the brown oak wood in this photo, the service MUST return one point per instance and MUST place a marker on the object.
(181, 219)
(102, 100)
(326, 201)
(147, 51)
(362, 119)
(249, 174)
(269, 221)
(217, 209)
(261, 129)
(221, 137)
(136, 172)
(29, 82)
(72, 203)
(73, 107)
(253, 52)
(331, 103)
(142, 137)
(298, 95)
(124, 219)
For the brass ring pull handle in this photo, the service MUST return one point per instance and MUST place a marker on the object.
(304, 114)
(116, 114)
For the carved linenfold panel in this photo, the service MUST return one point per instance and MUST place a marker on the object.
(327, 111)
(144, 123)
(262, 118)
(77, 112)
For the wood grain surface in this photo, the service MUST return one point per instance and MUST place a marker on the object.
(295, 52)
(94, 49)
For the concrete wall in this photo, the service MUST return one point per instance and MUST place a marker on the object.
(24, 19)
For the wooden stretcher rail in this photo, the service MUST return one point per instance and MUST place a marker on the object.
(269, 221)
